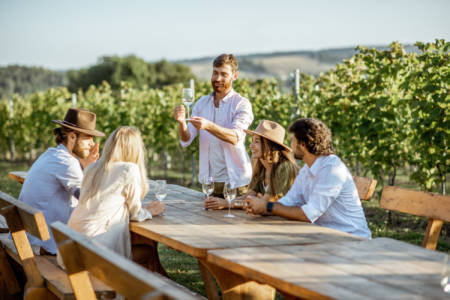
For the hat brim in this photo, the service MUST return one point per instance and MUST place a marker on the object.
(86, 131)
(269, 138)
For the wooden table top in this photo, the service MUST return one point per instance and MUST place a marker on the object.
(188, 228)
(381, 268)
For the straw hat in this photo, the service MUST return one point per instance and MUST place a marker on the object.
(80, 120)
(271, 131)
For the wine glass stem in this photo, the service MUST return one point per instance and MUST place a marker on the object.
(229, 207)
(188, 110)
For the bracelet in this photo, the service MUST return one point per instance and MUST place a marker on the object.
(269, 207)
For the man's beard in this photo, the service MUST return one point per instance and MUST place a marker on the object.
(223, 87)
(79, 151)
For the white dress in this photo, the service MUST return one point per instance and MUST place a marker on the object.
(105, 217)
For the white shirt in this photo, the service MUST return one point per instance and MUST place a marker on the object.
(105, 217)
(51, 185)
(328, 196)
(217, 164)
(235, 112)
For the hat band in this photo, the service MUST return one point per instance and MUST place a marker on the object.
(74, 125)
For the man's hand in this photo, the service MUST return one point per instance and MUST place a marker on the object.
(92, 157)
(179, 114)
(215, 203)
(200, 123)
(255, 205)
(156, 208)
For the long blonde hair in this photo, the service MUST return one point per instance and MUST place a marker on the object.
(123, 145)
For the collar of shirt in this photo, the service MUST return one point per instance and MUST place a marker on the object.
(227, 96)
(63, 147)
(317, 165)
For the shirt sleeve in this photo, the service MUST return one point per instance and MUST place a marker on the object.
(193, 132)
(325, 189)
(294, 196)
(70, 177)
(133, 200)
(242, 118)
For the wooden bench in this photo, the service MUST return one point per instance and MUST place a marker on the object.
(435, 207)
(365, 187)
(45, 279)
(81, 254)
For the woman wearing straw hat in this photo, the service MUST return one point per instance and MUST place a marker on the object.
(274, 168)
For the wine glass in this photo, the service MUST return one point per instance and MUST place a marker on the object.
(445, 276)
(207, 186)
(161, 190)
(188, 98)
(230, 193)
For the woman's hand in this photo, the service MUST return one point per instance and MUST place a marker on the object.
(156, 208)
(215, 203)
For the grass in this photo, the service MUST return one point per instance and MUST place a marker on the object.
(184, 269)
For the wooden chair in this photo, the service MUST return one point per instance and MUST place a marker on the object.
(81, 255)
(365, 187)
(45, 279)
(435, 207)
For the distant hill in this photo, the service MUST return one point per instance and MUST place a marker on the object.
(280, 64)
(23, 80)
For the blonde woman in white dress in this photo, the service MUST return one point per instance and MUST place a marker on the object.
(112, 191)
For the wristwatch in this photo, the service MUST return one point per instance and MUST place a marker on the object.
(269, 207)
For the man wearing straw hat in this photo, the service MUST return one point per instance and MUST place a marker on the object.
(323, 192)
(53, 182)
(220, 120)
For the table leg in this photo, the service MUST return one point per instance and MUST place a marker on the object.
(234, 286)
(148, 256)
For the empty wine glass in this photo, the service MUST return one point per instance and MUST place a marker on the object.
(207, 186)
(188, 98)
(161, 190)
(229, 193)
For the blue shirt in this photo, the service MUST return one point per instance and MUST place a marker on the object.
(52, 186)
(328, 196)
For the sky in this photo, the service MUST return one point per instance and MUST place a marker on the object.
(61, 35)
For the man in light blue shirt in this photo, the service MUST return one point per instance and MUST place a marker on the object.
(324, 192)
(53, 182)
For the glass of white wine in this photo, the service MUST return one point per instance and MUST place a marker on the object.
(229, 193)
(188, 98)
(161, 190)
(207, 186)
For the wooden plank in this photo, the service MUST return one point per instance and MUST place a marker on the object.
(33, 220)
(375, 269)
(417, 203)
(7, 274)
(365, 187)
(134, 282)
(432, 233)
(18, 176)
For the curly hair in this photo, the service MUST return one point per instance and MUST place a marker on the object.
(226, 59)
(314, 134)
(60, 134)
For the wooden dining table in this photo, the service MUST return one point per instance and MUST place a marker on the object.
(380, 268)
(188, 228)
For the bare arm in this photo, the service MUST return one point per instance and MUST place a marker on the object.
(258, 205)
(225, 134)
(179, 115)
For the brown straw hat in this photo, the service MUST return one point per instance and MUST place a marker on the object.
(80, 120)
(271, 131)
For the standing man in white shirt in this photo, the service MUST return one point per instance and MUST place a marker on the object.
(53, 182)
(220, 119)
(323, 192)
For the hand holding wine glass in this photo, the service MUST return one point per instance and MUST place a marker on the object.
(229, 193)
